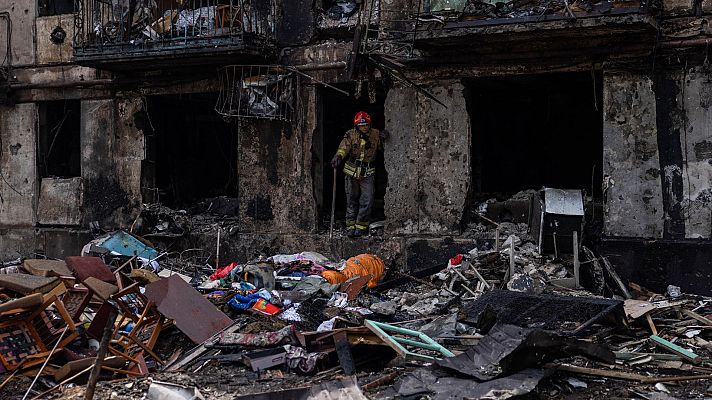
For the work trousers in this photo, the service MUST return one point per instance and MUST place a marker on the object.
(359, 202)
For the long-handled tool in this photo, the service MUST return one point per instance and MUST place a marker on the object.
(332, 245)
(333, 207)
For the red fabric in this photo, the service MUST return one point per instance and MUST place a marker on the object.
(223, 272)
(457, 260)
(361, 117)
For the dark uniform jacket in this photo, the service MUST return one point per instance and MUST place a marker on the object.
(360, 152)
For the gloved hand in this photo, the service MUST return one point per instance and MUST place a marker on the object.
(336, 161)
(384, 134)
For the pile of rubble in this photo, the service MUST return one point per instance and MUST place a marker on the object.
(125, 321)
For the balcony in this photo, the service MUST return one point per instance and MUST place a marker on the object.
(462, 30)
(158, 34)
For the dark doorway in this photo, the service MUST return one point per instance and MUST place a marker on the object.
(336, 114)
(194, 151)
(59, 152)
(533, 131)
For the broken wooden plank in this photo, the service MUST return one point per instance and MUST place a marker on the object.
(624, 355)
(198, 351)
(623, 375)
(597, 372)
(653, 329)
(616, 278)
(697, 317)
(343, 351)
(672, 347)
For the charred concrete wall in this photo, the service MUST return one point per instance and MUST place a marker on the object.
(657, 155)
(275, 185)
(17, 164)
(630, 157)
(427, 159)
(22, 43)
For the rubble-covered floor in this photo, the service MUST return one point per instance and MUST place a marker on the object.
(510, 319)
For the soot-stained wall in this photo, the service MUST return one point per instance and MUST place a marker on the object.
(630, 157)
(427, 159)
(275, 185)
(658, 154)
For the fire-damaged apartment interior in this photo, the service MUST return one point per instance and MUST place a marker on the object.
(355, 199)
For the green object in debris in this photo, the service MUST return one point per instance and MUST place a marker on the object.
(672, 347)
(448, 5)
(398, 343)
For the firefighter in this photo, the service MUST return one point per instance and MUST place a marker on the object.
(359, 148)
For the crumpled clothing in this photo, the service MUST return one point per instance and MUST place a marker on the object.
(299, 359)
(313, 284)
(243, 286)
(291, 314)
(240, 302)
(327, 325)
(316, 258)
(223, 272)
(338, 299)
(262, 339)
(199, 18)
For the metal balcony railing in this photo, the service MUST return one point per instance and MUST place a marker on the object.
(117, 26)
(394, 31)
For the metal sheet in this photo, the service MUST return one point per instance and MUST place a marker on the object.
(563, 202)
(509, 348)
(194, 315)
(562, 314)
(124, 244)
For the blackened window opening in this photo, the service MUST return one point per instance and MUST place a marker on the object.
(59, 152)
(193, 151)
(55, 7)
(535, 131)
(336, 116)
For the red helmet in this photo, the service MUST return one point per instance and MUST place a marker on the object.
(362, 118)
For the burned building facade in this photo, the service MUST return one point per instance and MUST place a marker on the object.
(109, 105)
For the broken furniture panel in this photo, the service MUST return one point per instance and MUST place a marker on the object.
(556, 215)
(84, 267)
(27, 284)
(394, 337)
(75, 300)
(193, 314)
(567, 315)
(47, 267)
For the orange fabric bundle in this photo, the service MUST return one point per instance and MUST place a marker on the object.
(334, 277)
(361, 265)
(365, 264)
